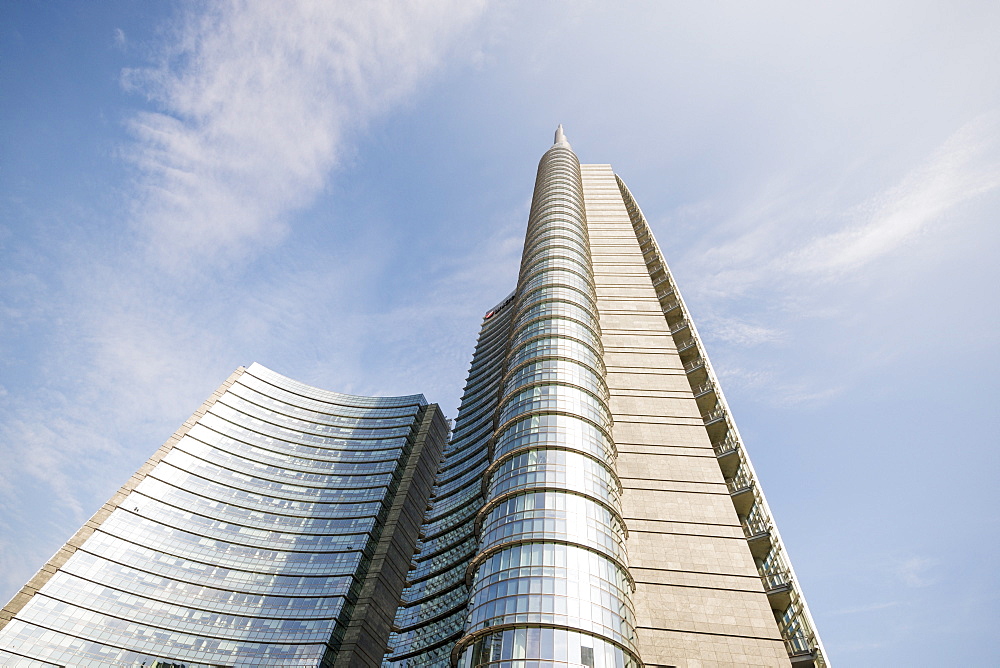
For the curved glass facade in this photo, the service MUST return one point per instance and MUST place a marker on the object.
(432, 612)
(550, 582)
(246, 540)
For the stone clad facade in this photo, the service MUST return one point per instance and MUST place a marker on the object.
(699, 596)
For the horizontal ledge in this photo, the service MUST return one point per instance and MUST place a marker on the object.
(688, 586)
(711, 633)
(665, 454)
(681, 533)
(687, 482)
(673, 491)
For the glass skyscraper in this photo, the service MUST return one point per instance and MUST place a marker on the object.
(273, 529)
(594, 507)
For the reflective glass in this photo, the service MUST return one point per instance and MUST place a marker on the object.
(565, 371)
(241, 545)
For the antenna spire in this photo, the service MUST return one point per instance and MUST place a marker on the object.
(560, 139)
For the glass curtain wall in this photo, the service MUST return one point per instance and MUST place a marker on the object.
(431, 615)
(245, 542)
(550, 583)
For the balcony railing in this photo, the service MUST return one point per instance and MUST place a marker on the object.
(665, 291)
(755, 526)
(725, 447)
(695, 364)
(679, 326)
(739, 483)
(775, 579)
(714, 416)
(799, 644)
(704, 388)
(684, 345)
(669, 305)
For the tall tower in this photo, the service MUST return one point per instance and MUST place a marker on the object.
(596, 505)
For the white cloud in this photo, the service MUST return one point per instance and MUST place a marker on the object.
(783, 241)
(808, 272)
(253, 105)
(871, 607)
(740, 333)
(774, 387)
(806, 394)
(733, 376)
(915, 571)
(254, 101)
(965, 166)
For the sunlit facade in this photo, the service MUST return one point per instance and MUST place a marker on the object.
(596, 506)
(530, 559)
(264, 533)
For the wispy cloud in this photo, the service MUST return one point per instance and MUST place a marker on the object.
(871, 607)
(740, 333)
(916, 571)
(253, 104)
(782, 243)
(775, 388)
(800, 267)
(965, 166)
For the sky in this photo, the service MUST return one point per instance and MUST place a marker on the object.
(339, 191)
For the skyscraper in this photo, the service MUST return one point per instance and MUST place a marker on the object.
(273, 528)
(595, 505)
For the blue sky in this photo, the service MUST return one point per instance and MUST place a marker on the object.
(339, 192)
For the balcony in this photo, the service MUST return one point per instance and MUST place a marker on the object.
(726, 447)
(669, 305)
(741, 490)
(739, 484)
(727, 454)
(802, 655)
(678, 326)
(713, 416)
(665, 291)
(703, 389)
(686, 345)
(778, 587)
(758, 535)
(704, 394)
(775, 579)
(694, 365)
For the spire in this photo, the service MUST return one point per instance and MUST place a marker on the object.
(560, 139)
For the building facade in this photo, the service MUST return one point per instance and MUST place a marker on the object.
(595, 506)
(274, 528)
